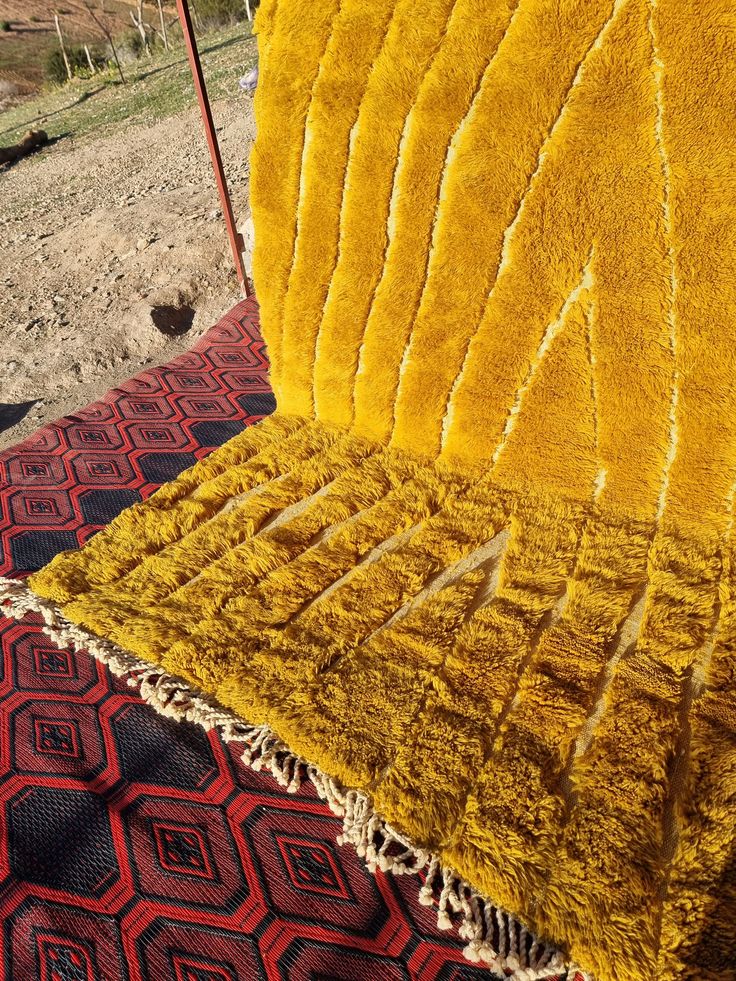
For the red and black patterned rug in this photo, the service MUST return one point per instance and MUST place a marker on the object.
(134, 847)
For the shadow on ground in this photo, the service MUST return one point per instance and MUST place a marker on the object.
(36, 149)
(47, 115)
(12, 413)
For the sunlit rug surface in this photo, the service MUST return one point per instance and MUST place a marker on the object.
(135, 847)
(477, 570)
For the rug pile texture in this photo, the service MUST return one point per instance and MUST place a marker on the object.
(478, 567)
(135, 847)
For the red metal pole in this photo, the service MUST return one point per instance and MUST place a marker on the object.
(236, 239)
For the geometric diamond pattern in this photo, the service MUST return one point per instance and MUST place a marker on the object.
(52, 661)
(183, 850)
(132, 847)
(196, 969)
(57, 737)
(311, 866)
(64, 959)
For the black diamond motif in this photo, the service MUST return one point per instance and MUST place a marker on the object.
(181, 849)
(101, 468)
(53, 662)
(40, 507)
(36, 469)
(64, 963)
(55, 737)
(92, 436)
(311, 866)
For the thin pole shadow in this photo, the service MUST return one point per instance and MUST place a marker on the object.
(29, 123)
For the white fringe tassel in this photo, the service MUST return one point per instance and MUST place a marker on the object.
(493, 937)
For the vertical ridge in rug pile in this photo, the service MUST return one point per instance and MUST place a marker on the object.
(478, 567)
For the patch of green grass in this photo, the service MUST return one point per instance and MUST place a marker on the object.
(154, 90)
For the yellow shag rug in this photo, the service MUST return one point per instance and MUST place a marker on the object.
(479, 567)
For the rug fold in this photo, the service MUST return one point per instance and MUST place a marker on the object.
(477, 569)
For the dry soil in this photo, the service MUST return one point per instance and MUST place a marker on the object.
(94, 239)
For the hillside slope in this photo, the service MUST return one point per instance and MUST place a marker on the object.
(110, 223)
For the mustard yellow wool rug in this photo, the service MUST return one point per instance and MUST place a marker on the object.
(478, 570)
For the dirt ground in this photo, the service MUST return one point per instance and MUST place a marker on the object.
(100, 240)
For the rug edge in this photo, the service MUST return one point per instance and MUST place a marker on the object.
(479, 918)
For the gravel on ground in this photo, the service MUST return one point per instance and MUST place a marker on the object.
(114, 257)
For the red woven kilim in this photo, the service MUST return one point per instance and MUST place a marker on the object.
(134, 847)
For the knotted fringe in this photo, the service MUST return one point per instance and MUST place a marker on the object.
(494, 937)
